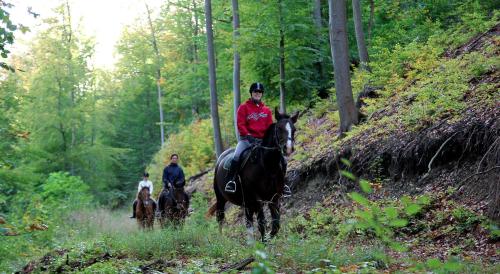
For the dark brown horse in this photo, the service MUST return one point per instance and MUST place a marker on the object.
(145, 210)
(261, 179)
(173, 206)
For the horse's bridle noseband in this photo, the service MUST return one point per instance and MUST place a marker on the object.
(276, 139)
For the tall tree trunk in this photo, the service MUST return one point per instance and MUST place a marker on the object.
(317, 15)
(214, 111)
(196, 29)
(370, 23)
(158, 74)
(236, 66)
(282, 57)
(68, 33)
(360, 35)
(338, 42)
(319, 30)
(62, 131)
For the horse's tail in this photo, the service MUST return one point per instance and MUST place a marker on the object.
(211, 210)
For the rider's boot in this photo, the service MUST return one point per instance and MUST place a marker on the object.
(231, 177)
(133, 209)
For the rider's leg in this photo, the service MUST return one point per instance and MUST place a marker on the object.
(235, 165)
(134, 205)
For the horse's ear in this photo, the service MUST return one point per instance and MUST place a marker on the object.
(277, 114)
(295, 117)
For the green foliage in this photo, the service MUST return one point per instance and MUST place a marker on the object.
(262, 263)
(318, 221)
(493, 229)
(465, 219)
(451, 265)
(194, 145)
(62, 190)
(381, 221)
(7, 32)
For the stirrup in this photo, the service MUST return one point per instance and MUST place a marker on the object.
(287, 192)
(230, 187)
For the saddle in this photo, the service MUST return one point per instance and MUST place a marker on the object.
(245, 156)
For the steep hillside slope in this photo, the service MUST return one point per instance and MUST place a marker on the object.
(438, 127)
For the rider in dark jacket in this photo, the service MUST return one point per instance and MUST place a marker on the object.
(173, 175)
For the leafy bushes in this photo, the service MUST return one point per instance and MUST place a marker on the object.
(195, 146)
(63, 190)
(33, 225)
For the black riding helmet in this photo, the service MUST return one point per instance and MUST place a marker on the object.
(256, 86)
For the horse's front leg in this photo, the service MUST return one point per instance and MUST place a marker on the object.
(274, 207)
(261, 220)
(249, 223)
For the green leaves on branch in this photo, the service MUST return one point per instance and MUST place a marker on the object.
(379, 220)
(360, 199)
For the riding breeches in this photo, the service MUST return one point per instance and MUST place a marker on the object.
(240, 148)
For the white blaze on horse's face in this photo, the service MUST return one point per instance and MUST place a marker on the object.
(289, 143)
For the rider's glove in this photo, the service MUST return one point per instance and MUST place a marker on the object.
(250, 139)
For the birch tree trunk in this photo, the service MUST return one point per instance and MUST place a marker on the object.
(236, 66)
(212, 78)
(338, 43)
(158, 74)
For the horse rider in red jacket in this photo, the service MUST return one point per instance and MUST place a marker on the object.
(253, 120)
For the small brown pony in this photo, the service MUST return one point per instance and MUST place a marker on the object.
(173, 206)
(145, 210)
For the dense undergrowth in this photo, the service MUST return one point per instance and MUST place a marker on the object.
(327, 239)
(415, 87)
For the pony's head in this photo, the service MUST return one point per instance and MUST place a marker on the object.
(143, 194)
(285, 130)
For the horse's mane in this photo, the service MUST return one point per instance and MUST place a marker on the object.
(268, 136)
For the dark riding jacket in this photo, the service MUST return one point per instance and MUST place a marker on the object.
(173, 175)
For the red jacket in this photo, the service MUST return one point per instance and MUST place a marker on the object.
(254, 119)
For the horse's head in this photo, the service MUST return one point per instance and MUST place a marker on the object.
(144, 194)
(285, 130)
(180, 197)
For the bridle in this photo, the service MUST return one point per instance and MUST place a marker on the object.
(280, 145)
